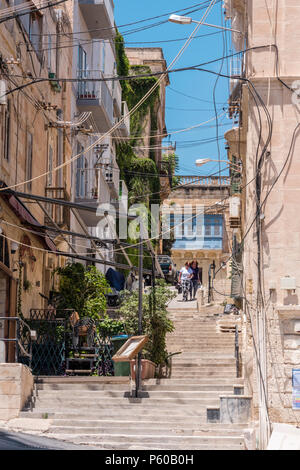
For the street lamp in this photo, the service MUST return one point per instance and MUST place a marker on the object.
(188, 20)
(203, 161)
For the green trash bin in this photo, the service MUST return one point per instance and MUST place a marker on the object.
(120, 368)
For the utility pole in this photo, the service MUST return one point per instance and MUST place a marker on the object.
(140, 313)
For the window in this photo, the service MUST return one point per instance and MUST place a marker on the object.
(29, 154)
(81, 175)
(49, 53)
(6, 130)
(36, 33)
(207, 229)
(59, 147)
(82, 71)
(4, 253)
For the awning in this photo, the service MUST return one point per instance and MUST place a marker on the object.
(26, 217)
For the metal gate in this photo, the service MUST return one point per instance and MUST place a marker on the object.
(50, 343)
(53, 341)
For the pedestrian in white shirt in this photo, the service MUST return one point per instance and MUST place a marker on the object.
(185, 274)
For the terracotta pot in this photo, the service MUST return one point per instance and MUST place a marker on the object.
(148, 369)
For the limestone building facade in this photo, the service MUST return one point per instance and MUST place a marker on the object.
(266, 142)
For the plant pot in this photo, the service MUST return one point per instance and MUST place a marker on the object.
(148, 369)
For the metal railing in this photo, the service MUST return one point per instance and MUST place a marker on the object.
(26, 335)
(203, 180)
(95, 89)
(89, 181)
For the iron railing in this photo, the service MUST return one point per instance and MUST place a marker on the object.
(91, 88)
(22, 340)
(44, 343)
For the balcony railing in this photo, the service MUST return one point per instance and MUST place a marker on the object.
(90, 183)
(93, 93)
(203, 180)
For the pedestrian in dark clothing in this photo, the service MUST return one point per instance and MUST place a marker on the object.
(196, 281)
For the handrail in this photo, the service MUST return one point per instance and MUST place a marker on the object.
(17, 338)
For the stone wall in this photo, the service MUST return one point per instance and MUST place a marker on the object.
(16, 386)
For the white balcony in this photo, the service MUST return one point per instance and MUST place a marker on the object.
(95, 96)
(99, 17)
(91, 190)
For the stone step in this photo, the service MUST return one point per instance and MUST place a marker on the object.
(189, 419)
(195, 381)
(216, 429)
(186, 412)
(218, 342)
(203, 369)
(198, 375)
(199, 387)
(85, 403)
(172, 387)
(74, 380)
(101, 394)
(200, 348)
(82, 386)
(203, 365)
(116, 441)
(101, 428)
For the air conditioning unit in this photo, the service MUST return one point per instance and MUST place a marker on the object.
(288, 283)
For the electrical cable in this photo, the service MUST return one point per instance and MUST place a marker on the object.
(32, 10)
(133, 109)
(214, 95)
(191, 9)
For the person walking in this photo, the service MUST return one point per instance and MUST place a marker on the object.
(195, 278)
(185, 275)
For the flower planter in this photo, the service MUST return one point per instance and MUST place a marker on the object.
(148, 369)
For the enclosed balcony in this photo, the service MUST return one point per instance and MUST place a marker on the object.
(99, 17)
(95, 96)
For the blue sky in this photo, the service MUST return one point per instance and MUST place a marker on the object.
(185, 111)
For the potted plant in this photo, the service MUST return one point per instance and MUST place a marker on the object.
(155, 324)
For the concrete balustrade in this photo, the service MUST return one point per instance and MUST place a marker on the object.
(16, 386)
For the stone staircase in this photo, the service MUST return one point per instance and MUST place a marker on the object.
(99, 412)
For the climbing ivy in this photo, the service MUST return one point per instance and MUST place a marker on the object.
(140, 174)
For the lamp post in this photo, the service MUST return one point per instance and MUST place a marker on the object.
(211, 275)
(140, 314)
(188, 20)
(203, 161)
